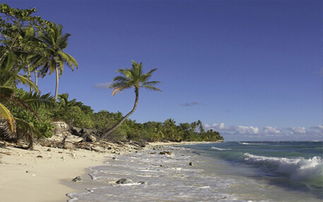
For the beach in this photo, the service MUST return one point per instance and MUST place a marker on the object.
(44, 174)
(185, 171)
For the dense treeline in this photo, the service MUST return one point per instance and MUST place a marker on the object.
(77, 114)
(31, 48)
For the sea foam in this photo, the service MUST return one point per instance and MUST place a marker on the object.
(220, 149)
(308, 171)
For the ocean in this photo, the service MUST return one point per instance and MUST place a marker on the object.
(228, 171)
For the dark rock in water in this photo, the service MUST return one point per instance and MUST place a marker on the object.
(138, 143)
(49, 149)
(114, 158)
(77, 179)
(190, 163)
(39, 156)
(165, 152)
(123, 181)
(141, 182)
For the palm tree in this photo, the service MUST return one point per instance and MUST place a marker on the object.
(9, 78)
(131, 78)
(53, 57)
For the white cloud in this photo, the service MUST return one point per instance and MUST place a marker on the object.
(268, 132)
(247, 130)
(103, 85)
(299, 130)
(218, 126)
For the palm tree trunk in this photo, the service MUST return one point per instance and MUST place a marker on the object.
(57, 83)
(115, 126)
(29, 76)
(36, 77)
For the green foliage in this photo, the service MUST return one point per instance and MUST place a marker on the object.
(30, 44)
(28, 122)
(80, 115)
(73, 113)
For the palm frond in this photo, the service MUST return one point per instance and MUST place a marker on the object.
(28, 82)
(6, 92)
(120, 79)
(151, 87)
(6, 115)
(146, 76)
(35, 101)
(125, 72)
(151, 82)
(71, 62)
(121, 85)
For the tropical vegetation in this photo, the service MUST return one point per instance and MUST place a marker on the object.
(31, 46)
(132, 78)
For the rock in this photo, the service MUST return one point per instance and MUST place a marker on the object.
(49, 149)
(141, 182)
(39, 156)
(114, 158)
(76, 131)
(165, 152)
(77, 179)
(123, 181)
(190, 164)
(60, 126)
(138, 143)
(69, 145)
(90, 138)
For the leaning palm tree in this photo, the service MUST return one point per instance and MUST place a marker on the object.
(131, 78)
(53, 56)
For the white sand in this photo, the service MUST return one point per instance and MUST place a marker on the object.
(38, 175)
(24, 177)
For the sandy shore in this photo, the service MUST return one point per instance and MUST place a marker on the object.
(37, 176)
(41, 175)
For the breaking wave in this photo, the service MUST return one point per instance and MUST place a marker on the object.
(306, 171)
(220, 149)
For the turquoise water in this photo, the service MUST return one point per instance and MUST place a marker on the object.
(295, 167)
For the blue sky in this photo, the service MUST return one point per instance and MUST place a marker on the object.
(241, 63)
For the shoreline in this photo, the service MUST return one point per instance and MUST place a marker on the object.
(40, 175)
(45, 174)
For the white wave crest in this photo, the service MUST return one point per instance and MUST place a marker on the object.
(220, 149)
(251, 143)
(300, 169)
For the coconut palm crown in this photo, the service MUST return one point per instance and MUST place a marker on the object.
(132, 78)
(53, 57)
